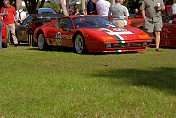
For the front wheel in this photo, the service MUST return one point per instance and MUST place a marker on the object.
(41, 42)
(79, 44)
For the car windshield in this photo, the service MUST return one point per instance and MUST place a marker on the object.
(91, 22)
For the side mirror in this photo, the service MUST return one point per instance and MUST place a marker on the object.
(174, 21)
(66, 29)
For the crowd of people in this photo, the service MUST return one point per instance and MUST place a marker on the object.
(151, 11)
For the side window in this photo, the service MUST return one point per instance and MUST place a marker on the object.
(27, 20)
(58, 22)
(67, 23)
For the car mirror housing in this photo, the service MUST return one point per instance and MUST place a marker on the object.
(174, 21)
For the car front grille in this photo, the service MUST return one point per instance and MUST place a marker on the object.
(123, 45)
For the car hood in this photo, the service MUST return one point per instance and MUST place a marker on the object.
(114, 34)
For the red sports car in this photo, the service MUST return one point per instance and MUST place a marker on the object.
(92, 34)
(168, 33)
(4, 43)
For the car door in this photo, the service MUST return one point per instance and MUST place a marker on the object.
(168, 35)
(171, 42)
(67, 31)
(22, 29)
(61, 33)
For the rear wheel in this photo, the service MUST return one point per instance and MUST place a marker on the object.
(79, 44)
(41, 41)
(31, 38)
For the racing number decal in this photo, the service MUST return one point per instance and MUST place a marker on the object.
(59, 38)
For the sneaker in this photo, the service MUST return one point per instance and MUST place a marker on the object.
(158, 50)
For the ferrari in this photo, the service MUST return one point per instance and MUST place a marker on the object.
(90, 34)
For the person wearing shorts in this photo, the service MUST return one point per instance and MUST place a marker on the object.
(151, 12)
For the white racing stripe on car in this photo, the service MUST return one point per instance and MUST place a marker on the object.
(116, 34)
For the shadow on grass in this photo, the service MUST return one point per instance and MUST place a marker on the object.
(57, 49)
(163, 79)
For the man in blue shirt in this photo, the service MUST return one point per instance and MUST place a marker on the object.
(91, 7)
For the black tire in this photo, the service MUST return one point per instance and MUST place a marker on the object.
(79, 44)
(4, 44)
(31, 38)
(42, 45)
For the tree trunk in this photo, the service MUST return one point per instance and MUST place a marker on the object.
(83, 6)
(64, 8)
(67, 4)
(31, 5)
(113, 2)
(18, 4)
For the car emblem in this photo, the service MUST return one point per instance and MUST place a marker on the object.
(59, 38)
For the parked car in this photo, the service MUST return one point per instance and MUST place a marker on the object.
(92, 34)
(133, 17)
(25, 30)
(168, 33)
(46, 11)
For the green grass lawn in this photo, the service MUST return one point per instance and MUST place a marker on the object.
(58, 83)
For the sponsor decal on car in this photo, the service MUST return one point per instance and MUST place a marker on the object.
(59, 38)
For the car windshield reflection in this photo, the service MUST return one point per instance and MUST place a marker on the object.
(91, 22)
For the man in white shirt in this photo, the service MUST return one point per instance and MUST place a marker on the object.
(127, 13)
(173, 8)
(102, 7)
(21, 15)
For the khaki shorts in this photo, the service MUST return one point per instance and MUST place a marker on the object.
(119, 23)
(150, 26)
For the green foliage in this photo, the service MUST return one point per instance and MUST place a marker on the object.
(53, 5)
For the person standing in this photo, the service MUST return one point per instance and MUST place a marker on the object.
(127, 13)
(1, 25)
(151, 12)
(21, 15)
(10, 19)
(91, 7)
(102, 7)
(119, 13)
(173, 8)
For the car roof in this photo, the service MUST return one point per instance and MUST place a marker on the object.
(46, 10)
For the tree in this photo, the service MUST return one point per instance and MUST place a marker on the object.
(64, 8)
(31, 5)
(18, 4)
